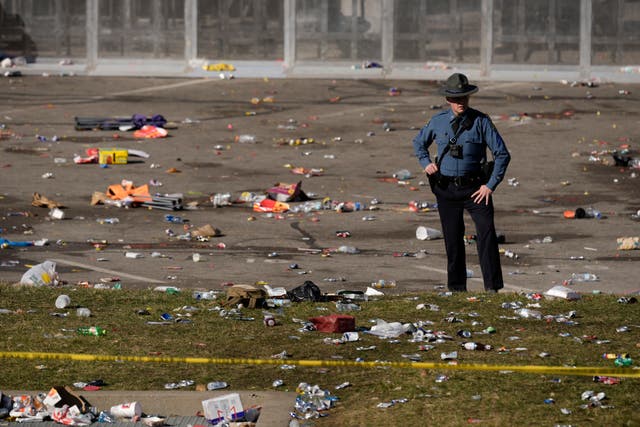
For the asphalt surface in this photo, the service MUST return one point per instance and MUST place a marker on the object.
(551, 131)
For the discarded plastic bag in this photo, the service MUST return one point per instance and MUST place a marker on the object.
(41, 275)
(384, 329)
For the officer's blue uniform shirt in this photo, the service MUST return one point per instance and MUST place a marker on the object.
(479, 134)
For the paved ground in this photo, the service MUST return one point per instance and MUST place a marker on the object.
(550, 128)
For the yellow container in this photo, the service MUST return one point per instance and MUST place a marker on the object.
(113, 156)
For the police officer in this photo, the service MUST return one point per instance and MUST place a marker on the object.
(462, 179)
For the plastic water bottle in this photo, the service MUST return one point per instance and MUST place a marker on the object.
(593, 213)
(528, 313)
(381, 283)
(206, 295)
(402, 174)
(173, 219)
(221, 199)
(476, 346)
(217, 385)
(246, 139)
(91, 330)
(348, 250)
(584, 277)
(347, 306)
(108, 221)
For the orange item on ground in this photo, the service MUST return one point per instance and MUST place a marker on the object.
(268, 205)
(149, 131)
(128, 191)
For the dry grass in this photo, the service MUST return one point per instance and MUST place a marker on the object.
(489, 398)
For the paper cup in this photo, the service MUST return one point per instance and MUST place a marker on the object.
(126, 410)
(63, 301)
(57, 213)
(426, 233)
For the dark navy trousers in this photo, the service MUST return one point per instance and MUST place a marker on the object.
(453, 200)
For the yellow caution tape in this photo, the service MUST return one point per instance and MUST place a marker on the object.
(530, 369)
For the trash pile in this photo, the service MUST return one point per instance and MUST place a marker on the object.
(63, 405)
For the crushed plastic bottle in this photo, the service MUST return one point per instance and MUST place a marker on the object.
(91, 330)
(592, 213)
(347, 306)
(584, 277)
(476, 346)
(381, 283)
(606, 380)
(221, 199)
(402, 174)
(206, 295)
(527, 313)
(217, 385)
(348, 250)
(246, 139)
(108, 221)
(174, 219)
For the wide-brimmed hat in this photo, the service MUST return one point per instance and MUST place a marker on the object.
(457, 86)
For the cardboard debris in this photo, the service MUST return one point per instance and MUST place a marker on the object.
(562, 292)
(206, 231)
(44, 202)
(628, 243)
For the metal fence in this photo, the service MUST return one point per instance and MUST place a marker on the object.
(489, 39)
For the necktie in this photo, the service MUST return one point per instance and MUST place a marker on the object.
(456, 124)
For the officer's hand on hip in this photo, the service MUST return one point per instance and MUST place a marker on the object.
(431, 168)
(483, 193)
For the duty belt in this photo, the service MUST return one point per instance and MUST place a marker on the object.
(463, 181)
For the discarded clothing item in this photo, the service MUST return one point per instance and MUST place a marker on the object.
(140, 120)
(5, 243)
(287, 192)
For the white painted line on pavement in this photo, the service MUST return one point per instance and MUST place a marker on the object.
(104, 270)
